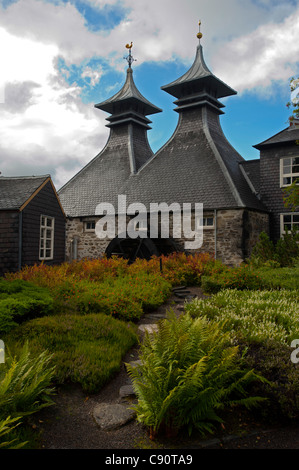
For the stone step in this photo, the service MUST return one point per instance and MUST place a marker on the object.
(150, 328)
(112, 416)
(127, 391)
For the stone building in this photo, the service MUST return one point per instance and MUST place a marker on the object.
(196, 165)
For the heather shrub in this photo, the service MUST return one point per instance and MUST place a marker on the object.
(126, 298)
(272, 359)
(21, 300)
(252, 316)
(242, 278)
(86, 349)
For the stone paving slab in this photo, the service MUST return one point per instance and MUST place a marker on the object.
(112, 416)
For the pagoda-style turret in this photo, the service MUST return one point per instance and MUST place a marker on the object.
(198, 86)
(197, 164)
(128, 109)
(125, 152)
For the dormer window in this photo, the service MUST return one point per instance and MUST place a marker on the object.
(289, 171)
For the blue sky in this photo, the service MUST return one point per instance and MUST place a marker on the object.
(61, 57)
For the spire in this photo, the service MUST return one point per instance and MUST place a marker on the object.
(128, 100)
(199, 34)
(198, 81)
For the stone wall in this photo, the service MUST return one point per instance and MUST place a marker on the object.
(236, 230)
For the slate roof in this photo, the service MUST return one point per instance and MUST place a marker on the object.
(252, 170)
(288, 135)
(129, 94)
(196, 165)
(15, 191)
(199, 75)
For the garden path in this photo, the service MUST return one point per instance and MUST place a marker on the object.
(72, 423)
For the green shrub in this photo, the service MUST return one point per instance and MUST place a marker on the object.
(264, 249)
(189, 371)
(86, 349)
(272, 360)
(242, 278)
(252, 316)
(126, 298)
(284, 253)
(19, 301)
(280, 278)
(287, 249)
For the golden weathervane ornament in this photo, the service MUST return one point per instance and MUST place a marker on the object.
(129, 58)
(199, 35)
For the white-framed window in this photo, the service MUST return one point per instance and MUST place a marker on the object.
(46, 242)
(288, 222)
(89, 225)
(289, 170)
(206, 222)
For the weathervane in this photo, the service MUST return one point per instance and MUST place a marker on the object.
(199, 35)
(130, 59)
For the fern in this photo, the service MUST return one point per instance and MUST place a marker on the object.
(25, 383)
(189, 370)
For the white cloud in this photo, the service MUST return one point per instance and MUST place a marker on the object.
(266, 55)
(94, 75)
(45, 126)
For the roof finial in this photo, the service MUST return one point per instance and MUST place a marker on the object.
(130, 59)
(199, 35)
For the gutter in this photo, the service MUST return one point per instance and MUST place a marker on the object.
(215, 232)
(20, 243)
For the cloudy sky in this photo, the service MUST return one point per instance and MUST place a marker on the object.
(58, 58)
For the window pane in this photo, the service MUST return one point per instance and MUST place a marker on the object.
(210, 221)
(286, 170)
(296, 161)
(286, 162)
(287, 227)
(296, 218)
(48, 253)
(49, 222)
(296, 169)
(49, 233)
(41, 254)
(287, 218)
(48, 244)
(287, 180)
